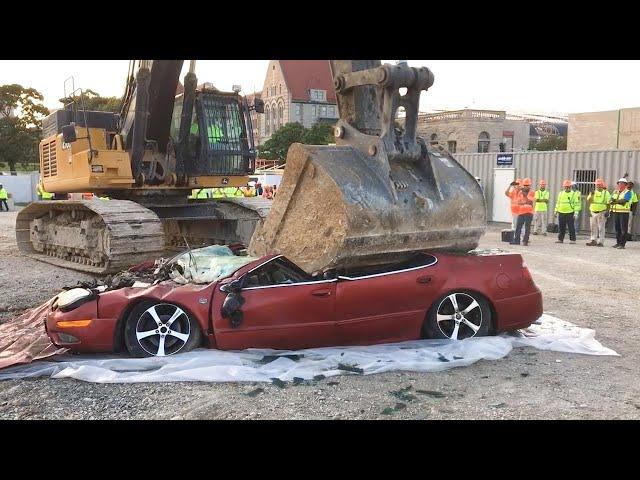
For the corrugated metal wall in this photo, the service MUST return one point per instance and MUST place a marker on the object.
(554, 167)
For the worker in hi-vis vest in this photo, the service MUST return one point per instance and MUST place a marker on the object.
(540, 209)
(598, 202)
(565, 211)
(42, 193)
(621, 207)
(3, 198)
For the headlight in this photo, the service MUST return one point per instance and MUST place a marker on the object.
(71, 299)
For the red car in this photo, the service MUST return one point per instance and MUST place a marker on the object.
(272, 303)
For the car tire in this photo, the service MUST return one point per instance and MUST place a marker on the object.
(441, 318)
(145, 337)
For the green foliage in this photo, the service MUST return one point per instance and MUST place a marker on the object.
(20, 134)
(319, 134)
(93, 101)
(551, 143)
(277, 146)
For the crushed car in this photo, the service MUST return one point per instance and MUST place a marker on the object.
(218, 297)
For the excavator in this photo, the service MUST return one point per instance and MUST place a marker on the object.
(377, 196)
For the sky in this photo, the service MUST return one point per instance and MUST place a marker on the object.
(517, 86)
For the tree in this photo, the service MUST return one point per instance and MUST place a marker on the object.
(93, 101)
(319, 134)
(551, 143)
(21, 115)
(277, 146)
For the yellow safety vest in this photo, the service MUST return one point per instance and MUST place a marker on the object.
(577, 200)
(541, 195)
(600, 200)
(3, 194)
(624, 208)
(202, 193)
(566, 202)
(43, 193)
(634, 197)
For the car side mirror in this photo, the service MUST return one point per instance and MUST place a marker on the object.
(69, 133)
(258, 105)
(232, 287)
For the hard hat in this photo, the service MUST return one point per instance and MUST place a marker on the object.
(566, 183)
(622, 180)
(526, 182)
(599, 182)
(542, 182)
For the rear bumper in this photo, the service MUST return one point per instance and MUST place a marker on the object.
(518, 312)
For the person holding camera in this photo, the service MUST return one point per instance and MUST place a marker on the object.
(512, 193)
(525, 200)
(598, 201)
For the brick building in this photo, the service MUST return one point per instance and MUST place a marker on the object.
(610, 130)
(474, 131)
(295, 91)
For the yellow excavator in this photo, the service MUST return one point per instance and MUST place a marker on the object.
(377, 196)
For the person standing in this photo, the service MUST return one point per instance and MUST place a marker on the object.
(577, 203)
(620, 207)
(525, 200)
(512, 192)
(540, 209)
(3, 198)
(565, 211)
(598, 202)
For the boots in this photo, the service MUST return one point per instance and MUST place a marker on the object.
(592, 243)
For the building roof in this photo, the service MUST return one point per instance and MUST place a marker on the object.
(302, 75)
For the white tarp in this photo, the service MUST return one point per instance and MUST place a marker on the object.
(264, 365)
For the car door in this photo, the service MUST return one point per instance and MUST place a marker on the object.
(282, 308)
(385, 307)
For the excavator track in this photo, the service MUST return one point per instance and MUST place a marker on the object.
(92, 236)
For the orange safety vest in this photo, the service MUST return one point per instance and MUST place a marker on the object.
(524, 208)
(515, 208)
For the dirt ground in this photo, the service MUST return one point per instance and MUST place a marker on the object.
(593, 287)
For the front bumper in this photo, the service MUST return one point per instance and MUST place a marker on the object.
(80, 330)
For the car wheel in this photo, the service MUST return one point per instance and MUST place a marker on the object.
(458, 315)
(157, 329)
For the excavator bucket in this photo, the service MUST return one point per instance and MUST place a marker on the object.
(333, 209)
(372, 199)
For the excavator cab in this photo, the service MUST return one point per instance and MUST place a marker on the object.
(220, 141)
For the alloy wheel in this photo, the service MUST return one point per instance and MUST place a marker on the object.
(459, 316)
(163, 329)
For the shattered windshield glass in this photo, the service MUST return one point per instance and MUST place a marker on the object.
(206, 265)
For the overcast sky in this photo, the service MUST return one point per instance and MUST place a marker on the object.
(549, 86)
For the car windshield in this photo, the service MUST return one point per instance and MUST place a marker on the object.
(206, 265)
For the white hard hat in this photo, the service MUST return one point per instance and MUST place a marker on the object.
(623, 180)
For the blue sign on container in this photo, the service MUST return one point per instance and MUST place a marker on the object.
(505, 159)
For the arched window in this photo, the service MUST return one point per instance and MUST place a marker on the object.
(280, 114)
(267, 124)
(483, 142)
(434, 139)
(274, 117)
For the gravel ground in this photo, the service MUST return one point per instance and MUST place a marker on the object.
(592, 287)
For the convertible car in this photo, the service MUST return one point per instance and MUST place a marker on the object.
(269, 302)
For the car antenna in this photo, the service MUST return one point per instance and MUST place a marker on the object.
(191, 257)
